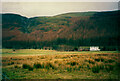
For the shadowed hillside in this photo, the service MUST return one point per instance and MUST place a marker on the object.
(72, 29)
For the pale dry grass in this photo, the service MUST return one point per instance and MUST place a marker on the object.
(63, 62)
(60, 64)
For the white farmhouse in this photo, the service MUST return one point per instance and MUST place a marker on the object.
(94, 48)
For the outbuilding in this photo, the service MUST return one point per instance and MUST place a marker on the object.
(94, 48)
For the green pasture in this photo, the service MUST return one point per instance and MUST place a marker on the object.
(7, 52)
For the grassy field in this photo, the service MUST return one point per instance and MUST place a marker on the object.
(51, 64)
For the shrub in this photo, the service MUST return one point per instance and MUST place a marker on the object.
(88, 66)
(30, 68)
(38, 65)
(95, 69)
(118, 64)
(26, 66)
(56, 61)
(11, 63)
(75, 68)
(51, 65)
(4, 60)
(69, 69)
(73, 63)
(109, 61)
(42, 57)
(97, 59)
(102, 66)
(92, 61)
(102, 59)
(109, 67)
(79, 67)
(29, 58)
(47, 65)
(16, 66)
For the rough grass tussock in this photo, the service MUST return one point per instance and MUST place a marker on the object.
(109, 67)
(95, 69)
(38, 65)
(11, 63)
(26, 66)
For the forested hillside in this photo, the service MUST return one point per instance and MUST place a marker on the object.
(72, 29)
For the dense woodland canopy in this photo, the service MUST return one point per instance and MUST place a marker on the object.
(69, 29)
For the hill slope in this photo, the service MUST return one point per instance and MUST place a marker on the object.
(75, 29)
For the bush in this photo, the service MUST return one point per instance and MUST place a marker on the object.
(118, 64)
(102, 59)
(42, 57)
(26, 66)
(50, 65)
(97, 59)
(96, 69)
(88, 66)
(38, 66)
(69, 69)
(109, 68)
(75, 68)
(45, 65)
(30, 68)
(79, 67)
(92, 61)
(56, 61)
(73, 63)
(11, 63)
(102, 66)
(110, 61)
(16, 66)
